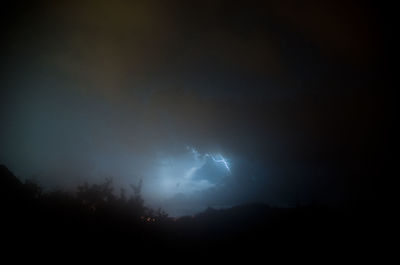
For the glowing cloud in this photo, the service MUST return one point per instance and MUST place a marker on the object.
(188, 173)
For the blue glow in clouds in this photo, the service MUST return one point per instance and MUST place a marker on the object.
(187, 173)
(220, 160)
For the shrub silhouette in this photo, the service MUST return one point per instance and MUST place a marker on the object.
(96, 194)
(95, 214)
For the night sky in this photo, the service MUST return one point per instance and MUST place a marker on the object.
(210, 103)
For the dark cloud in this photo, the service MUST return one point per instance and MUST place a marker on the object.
(290, 92)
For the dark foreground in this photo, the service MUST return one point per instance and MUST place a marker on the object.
(94, 218)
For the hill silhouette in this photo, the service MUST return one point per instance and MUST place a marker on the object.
(95, 216)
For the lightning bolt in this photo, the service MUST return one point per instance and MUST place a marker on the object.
(223, 161)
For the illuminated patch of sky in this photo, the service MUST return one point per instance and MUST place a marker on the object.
(187, 173)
